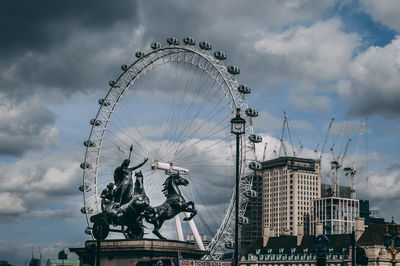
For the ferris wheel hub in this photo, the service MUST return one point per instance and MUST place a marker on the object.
(168, 168)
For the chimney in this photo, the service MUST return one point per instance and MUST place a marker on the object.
(359, 227)
(318, 229)
(300, 233)
(266, 235)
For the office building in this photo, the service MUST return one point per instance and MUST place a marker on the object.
(289, 186)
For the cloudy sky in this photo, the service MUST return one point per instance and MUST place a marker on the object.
(312, 59)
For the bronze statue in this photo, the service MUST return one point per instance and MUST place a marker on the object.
(125, 203)
(173, 205)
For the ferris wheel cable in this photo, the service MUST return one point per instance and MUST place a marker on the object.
(203, 137)
(188, 110)
(114, 149)
(210, 231)
(187, 151)
(123, 131)
(115, 135)
(188, 131)
(184, 146)
(188, 159)
(204, 150)
(170, 119)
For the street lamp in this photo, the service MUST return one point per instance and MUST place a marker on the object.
(391, 240)
(237, 128)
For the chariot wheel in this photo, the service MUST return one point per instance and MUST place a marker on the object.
(174, 104)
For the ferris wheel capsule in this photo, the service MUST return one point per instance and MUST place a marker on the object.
(104, 102)
(205, 45)
(244, 220)
(172, 41)
(234, 70)
(124, 67)
(88, 231)
(87, 210)
(113, 83)
(230, 245)
(95, 122)
(255, 166)
(255, 138)
(85, 165)
(139, 54)
(84, 188)
(189, 41)
(89, 143)
(244, 89)
(220, 55)
(252, 112)
(155, 45)
(250, 193)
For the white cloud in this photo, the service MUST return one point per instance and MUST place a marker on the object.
(39, 180)
(320, 52)
(375, 81)
(385, 12)
(11, 204)
(309, 102)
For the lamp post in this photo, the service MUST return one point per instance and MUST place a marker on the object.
(237, 128)
(391, 240)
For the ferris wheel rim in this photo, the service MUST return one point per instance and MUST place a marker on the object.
(237, 100)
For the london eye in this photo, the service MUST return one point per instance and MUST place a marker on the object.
(173, 104)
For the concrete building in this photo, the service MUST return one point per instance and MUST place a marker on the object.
(289, 186)
(337, 215)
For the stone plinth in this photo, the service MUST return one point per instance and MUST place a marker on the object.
(130, 252)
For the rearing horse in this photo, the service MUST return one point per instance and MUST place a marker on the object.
(173, 205)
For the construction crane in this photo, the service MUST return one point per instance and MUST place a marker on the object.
(351, 168)
(337, 161)
(286, 126)
(336, 164)
(325, 140)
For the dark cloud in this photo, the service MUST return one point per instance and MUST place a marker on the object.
(52, 49)
(25, 126)
(27, 26)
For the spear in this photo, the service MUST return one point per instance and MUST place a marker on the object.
(130, 152)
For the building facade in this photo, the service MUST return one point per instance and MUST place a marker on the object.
(337, 215)
(301, 250)
(289, 186)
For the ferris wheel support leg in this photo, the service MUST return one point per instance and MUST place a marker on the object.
(195, 232)
(179, 230)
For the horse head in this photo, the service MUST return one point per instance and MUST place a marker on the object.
(172, 183)
(178, 180)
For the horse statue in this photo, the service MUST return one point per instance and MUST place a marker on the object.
(123, 204)
(173, 205)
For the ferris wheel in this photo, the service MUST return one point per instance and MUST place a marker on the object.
(173, 105)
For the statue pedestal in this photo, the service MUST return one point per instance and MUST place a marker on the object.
(130, 252)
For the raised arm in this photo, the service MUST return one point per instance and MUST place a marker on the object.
(139, 165)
